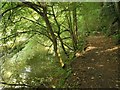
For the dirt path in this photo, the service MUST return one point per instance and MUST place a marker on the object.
(98, 67)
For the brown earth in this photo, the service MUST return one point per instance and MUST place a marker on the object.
(98, 67)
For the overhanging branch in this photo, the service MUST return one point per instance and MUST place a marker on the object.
(34, 22)
(19, 5)
(24, 32)
(33, 6)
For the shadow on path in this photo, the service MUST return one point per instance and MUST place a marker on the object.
(98, 67)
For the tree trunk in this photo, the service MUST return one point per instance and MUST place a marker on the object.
(70, 23)
(75, 28)
(62, 44)
(58, 33)
(54, 38)
(117, 9)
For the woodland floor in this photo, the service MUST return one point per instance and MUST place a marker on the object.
(98, 67)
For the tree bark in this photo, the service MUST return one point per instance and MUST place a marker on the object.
(117, 9)
(54, 38)
(72, 23)
(58, 33)
(75, 28)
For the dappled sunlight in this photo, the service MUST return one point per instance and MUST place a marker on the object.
(99, 65)
(1, 87)
(9, 74)
(111, 49)
(90, 48)
(78, 54)
(58, 45)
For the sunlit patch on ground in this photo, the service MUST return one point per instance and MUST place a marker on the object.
(111, 49)
(99, 67)
(78, 54)
(90, 48)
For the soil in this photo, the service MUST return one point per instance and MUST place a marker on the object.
(98, 67)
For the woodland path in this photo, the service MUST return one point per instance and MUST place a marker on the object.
(98, 67)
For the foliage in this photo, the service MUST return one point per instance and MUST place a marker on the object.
(38, 40)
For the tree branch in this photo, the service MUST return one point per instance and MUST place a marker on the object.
(33, 6)
(65, 31)
(34, 22)
(15, 34)
(15, 84)
(68, 46)
(66, 38)
(18, 33)
(19, 5)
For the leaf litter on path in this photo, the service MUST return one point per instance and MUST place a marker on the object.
(99, 67)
